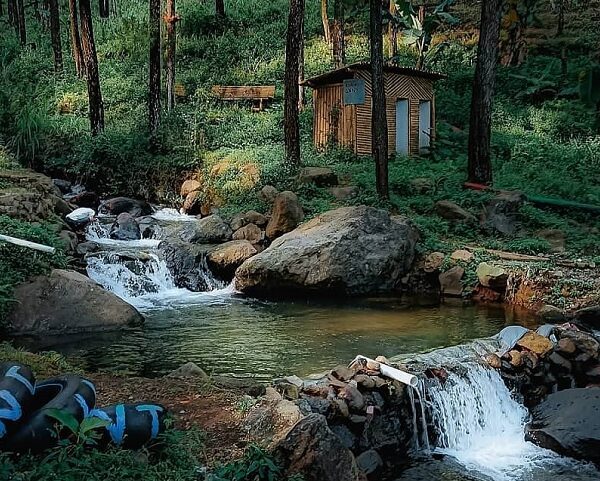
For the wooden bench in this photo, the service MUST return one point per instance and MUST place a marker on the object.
(258, 94)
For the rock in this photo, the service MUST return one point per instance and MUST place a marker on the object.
(27, 195)
(268, 194)
(70, 240)
(343, 373)
(62, 207)
(387, 433)
(560, 362)
(516, 358)
(271, 419)
(586, 343)
(566, 346)
(250, 217)
(89, 200)
(189, 186)
(433, 261)
(118, 205)
(589, 316)
(190, 370)
(593, 374)
(87, 247)
(554, 237)
(422, 185)
(500, 214)
(353, 397)
(314, 451)
(209, 230)
(320, 176)
(192, 204)
(494, 277)
(186, 262)
(451, 282)
(568, 422)
(287, 214)
(66, 302)
(451, 211)
(351, 250)
(493, 360)
(250, 233)
(369, 462)
(462, 255)
(551, 314)
(348, 439)
(364, 381)
(125, 228)
(63, 185)
(226, 258)
(535, 343)
(343, 193)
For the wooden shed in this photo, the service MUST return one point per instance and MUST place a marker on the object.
(342, 108)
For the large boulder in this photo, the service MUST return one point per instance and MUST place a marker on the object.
(501, 213)
(66, 302)
(125, 228)
(314, 451)
(209, 230)
(320, 176)
(568, 422)
(287, 214)
(451, 211)
(118, 205)
(226, 258)
(351, 250)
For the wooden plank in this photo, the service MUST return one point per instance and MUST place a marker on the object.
(248, 92)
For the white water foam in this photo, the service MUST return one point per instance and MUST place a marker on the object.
(172, 215)
(100, 234)
(482, 427)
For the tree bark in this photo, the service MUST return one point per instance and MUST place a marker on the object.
(338, 35)
(292, 69)
(21, 22)
(1, 8)
(76, 39)
(12, 13)
(220, 8)
(325, 20)
(55, 35)
(104, 8)
(154, 79)
(90, 60)
(480, 129)
(36, 10)
(393, 34)
(379, 118)
(301, 95)
(171, 20)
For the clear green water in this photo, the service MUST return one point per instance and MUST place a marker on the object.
(233, 335)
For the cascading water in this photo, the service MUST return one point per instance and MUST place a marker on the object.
(480, 425)
(134, 271)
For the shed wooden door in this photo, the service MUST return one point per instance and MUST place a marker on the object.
(424, 125)
(402, 126)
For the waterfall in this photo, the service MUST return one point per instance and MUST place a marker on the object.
(134, 271)
(481, 425)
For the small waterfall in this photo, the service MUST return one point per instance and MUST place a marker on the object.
(480, 424)
(420, 434)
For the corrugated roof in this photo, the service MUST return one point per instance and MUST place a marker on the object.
(346, 72)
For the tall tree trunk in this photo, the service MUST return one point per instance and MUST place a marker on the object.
(55, 34)
(561, 18)
(325, 20)
(220, 8)
(338, 35)
(104, 8)
(1, 8)
(90, 60)
(36, 10)
(292, 69)
(154, 82)
(301, 96)
(480, 129)
(76, 39)
(379, 118)
(21, 22)
(171, 19)
(12, 12)
(422, 43)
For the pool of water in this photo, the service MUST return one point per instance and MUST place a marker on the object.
(228, 334)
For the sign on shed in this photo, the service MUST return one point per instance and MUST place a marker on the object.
(354, 92)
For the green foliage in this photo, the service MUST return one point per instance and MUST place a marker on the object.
(256, 465)
(18, 263)
(176, 460)
(84, 432)
(43, 364)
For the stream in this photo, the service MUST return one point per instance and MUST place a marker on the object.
(479, 421)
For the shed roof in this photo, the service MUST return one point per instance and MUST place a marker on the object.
(347, 72)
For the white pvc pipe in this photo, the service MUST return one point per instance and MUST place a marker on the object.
(29, 245)
(391, 372)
